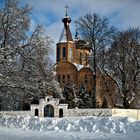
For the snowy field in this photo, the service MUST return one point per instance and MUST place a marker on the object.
(78, 128)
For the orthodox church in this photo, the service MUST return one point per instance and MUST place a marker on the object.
(72, 65)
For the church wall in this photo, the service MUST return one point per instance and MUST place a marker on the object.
(88, 112)
(105, 89)
(76, 112)
(54, 102)
(133, 113)
(82, 75)
(82, 56)
(15, 113)
(69, 53)
(61, 45)
(66, 69)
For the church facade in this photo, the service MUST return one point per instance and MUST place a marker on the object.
(72, 65)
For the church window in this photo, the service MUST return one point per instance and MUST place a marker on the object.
(68, 77)
(58, 53)
(86, 80)
(70, 52)
(63, 78)
(86, 59)
(81, 58)
(64, 52)
(89, 92)
(59, 78)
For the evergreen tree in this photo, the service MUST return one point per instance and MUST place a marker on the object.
(69, 95)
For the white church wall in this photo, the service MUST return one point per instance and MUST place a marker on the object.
(81, 112)
(133, 113)
(15, 113)
(88, 112)
(61, 110)
(138, 115)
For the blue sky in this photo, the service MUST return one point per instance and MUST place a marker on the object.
(121, 13)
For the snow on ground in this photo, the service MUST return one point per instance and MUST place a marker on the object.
(76, 128)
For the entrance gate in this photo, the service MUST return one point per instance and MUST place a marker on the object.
(48, 111)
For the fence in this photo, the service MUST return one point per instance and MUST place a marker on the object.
(15, 113)
(133, 113)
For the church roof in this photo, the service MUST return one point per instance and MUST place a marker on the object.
(78, 66)
(81, 44)
(66, 33)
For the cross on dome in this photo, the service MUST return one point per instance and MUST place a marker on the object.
(66, 8)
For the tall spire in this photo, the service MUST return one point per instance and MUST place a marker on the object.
(66, 33)
(76, 33)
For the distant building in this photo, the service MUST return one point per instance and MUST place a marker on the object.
(72, 65)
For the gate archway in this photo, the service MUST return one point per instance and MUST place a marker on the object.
(48, 111)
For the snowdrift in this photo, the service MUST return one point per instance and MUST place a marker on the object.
(111, 125)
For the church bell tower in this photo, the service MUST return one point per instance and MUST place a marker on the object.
(66, 46)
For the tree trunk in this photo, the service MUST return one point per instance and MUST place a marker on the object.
(126, 105)
(94, 79)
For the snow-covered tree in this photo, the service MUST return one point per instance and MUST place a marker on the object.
(96, 31)
(121, 62)
(84, 100)
(69, 96)
(25, 66)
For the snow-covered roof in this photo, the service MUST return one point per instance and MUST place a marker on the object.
(78, 66)
(82, 44)
(66, 33)
(63, 36)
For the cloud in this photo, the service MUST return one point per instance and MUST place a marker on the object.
(121, 13)
(49, 11)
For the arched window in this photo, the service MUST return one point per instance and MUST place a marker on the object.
(86, 79)
(89, 92)
(81, 55)
(36, 112)
(70, 54)
(68, 77)
(63, 78)
(64, 52)
(86, 59)
(59, 78)
(58, 53)
(60, 113)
